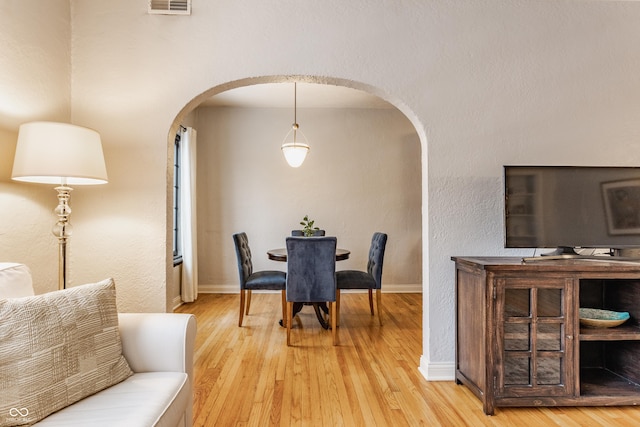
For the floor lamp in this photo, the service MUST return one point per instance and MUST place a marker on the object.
(59, 154)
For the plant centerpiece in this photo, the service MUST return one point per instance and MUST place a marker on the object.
(307, 226)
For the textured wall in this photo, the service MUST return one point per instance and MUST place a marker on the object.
(484, 82)
(35, 84)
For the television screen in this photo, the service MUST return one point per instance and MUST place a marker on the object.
(571, 206)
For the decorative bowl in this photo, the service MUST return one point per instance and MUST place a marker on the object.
(597, 318)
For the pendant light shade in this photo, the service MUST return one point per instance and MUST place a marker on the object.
(295, 151)
(295, 154)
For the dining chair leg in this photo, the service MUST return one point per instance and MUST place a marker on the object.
(379, 304)
(289, 321)
(333, 309)
(241, 307)
(284, 308)
(337, 307)
(371, 300)
(248, 301)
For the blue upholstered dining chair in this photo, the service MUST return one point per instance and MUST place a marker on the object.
(370, 279)
(255, 280)
(311, 276)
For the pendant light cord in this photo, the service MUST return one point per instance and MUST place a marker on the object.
(295, 110)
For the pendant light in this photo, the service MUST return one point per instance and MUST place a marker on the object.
(295, 152)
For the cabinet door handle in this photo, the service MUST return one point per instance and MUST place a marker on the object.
(569, 337)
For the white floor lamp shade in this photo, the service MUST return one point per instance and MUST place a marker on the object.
(58, 153)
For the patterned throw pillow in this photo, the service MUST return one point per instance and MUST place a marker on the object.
(56, 349)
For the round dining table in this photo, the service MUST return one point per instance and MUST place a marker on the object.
(280, 254)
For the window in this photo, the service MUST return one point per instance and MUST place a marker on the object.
(177, 250)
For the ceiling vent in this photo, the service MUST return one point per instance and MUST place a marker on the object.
(170, 7)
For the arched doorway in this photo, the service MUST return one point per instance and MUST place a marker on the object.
(237, 148)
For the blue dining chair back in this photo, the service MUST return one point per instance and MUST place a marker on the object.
(311, 275)
(250, 280)
(376, 257)
(370, 279)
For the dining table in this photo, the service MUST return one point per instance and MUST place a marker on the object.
(280, 254)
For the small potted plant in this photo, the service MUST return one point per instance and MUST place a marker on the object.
(307, 226)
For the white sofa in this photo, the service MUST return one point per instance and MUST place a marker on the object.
(159, 350)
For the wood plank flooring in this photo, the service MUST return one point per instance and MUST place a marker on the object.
(249, 377)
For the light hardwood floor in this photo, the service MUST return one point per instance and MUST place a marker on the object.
(249, 377)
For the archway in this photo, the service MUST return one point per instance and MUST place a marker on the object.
(399, 106)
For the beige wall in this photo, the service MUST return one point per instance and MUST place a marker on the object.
(363, 174)
(35, 84)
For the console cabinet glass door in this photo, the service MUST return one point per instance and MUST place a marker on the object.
(534, 337)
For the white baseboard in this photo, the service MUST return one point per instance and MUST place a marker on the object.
(177, 302)
(437, 371)
(234, 289)
(220, 289)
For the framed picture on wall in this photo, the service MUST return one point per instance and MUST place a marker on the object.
(622, 206)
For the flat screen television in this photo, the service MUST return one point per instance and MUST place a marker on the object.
(568, 207)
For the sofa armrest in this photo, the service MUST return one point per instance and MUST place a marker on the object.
(158, 342)
(15, 280)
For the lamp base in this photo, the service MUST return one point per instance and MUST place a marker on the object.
(62, 230)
